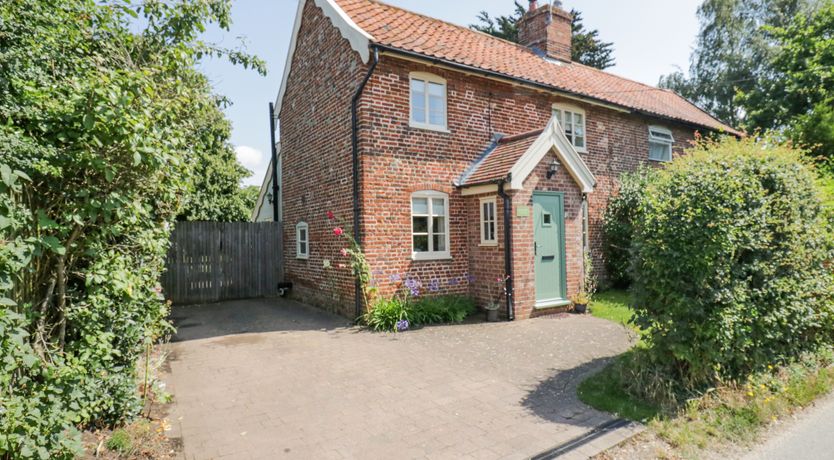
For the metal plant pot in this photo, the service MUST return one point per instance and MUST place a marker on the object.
(580, 308)
(492, 316)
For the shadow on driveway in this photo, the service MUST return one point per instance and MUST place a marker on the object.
(204, 321)
(554, 399)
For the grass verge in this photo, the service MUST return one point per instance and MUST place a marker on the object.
(730, 414)
(613, 306)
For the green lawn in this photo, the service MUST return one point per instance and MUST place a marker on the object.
(613, 306)
(605, 391)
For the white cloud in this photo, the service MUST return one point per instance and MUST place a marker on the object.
(250, 157)
(253, 160)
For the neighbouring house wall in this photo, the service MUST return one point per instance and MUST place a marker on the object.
(398, 160)
(315, 138)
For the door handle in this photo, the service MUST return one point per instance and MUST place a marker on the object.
(535, 248)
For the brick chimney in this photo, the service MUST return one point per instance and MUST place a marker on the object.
(547, 32)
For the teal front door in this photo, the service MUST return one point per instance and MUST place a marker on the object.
(549, 247)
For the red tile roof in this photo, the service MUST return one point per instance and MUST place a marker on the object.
(404, 30)
(495, 163)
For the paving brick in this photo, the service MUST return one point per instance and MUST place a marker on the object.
(310, 386)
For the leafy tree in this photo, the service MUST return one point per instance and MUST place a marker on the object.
(618, 225)
(505, 27)
(732, 53)
(250, 197)
(98, 101)
(586, 48)
(797, 96)
(215, 193)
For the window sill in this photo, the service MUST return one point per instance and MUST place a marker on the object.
(488, 244)
(302, 257)
(660, 161)
(439, 129)
(585, 150)
(421, 256)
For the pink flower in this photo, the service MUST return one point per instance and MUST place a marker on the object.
(342, 266)
(344, 252)
(338, 231)
(330, 215)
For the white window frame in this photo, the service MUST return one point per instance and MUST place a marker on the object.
(572, 109)
(485, 221)
(427, 78)
(657, 135)
(430, 254)
(298, 228)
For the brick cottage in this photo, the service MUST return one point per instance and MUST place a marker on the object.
(460, 156)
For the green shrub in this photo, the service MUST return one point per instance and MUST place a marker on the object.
(120, 441)
(385, 314)
(618, 225)
(441, 309)
(104, 117)
(730, 256)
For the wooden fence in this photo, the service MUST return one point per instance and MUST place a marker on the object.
(214, 261)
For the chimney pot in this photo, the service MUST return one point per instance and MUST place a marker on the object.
(534, 5)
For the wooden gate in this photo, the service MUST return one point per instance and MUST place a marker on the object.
(214, 261)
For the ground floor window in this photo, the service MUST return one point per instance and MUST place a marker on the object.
(488, 221)
(302, 240)
(430, 225)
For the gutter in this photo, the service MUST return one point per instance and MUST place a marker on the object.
(354, 141)
(508, 247)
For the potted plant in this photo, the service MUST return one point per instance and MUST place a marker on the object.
(586, 292)
(492, 311)
(580, 302)
(495, 300)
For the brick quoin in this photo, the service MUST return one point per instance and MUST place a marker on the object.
(397, 160)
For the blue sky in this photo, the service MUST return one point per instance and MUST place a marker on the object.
(651, 38)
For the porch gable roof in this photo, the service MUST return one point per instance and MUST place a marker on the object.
(513, 158)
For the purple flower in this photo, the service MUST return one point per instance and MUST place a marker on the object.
(434, 285)
(402, 325)
(413, 286)
(395, 278)
(454, 282)
(470, 278)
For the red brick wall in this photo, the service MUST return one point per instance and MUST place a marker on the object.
(316, 152)
(486, 262)
(397, 160)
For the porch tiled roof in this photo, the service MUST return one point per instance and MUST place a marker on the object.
(404, 30)
(497, 160)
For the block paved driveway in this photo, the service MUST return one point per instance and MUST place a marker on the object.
(275, 379)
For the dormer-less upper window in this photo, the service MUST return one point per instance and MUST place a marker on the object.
(572, 120)
(428, 101)
(660, 143)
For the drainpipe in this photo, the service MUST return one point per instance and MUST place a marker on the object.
(508, 247)
(585, 242)
(354, 140)
(275, 203)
